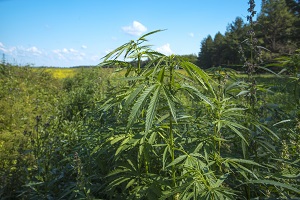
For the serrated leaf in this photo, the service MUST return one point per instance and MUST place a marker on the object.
(130, 183)
(164, 157)
(177, 160)
(274, 183)
(268, 70)
(133, 95)
(259, 126)
(283, 121)
(117, 182)
(233, 126)
(161, 75)
(244, 148)
(150, 33)
(132, 78)
(250, 162)
(220, 180)
(152, 138)
(281, 71)
(233, 110)
(152, 109)
(171, 103)
(245, 169)
(194, 91)
(198, 74)
(243, 92)
(138, 105)
(117, 139)
(237, 132)
(122, 147)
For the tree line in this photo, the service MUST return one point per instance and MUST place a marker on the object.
(276, 31)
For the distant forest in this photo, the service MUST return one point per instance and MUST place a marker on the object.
(275, 33)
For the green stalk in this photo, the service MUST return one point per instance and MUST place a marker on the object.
(172, 151)
(146, 163)
(217, 144)
(171, 131)
(139, 64)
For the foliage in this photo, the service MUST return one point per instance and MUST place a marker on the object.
(277, 34)
(276, 23)
(186, 137)
(24, 95)
(154, 127)
(206, 53)
(116, 141)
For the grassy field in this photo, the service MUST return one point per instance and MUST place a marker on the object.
(85, 133)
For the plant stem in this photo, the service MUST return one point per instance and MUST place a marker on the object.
(139, 64)
(171, 129)
(172, 151)
(146, 164)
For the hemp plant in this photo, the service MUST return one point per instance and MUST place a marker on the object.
(169, 131)
(155, 105)
(261, 138)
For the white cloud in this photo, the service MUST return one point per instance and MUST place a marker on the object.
(84, 47)
(2, 47)
(65, 50)
(20, 50)
(73, 50)
(12, 49)
(136, 29)
(59, 52)
(165, 49)
(57, 57)
(69, 54)
(191, 34)
(34, 50)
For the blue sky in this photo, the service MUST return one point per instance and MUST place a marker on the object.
(67, 33)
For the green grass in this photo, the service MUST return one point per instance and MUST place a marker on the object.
(86, 133)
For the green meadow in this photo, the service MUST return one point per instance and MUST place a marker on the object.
(152, 132)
